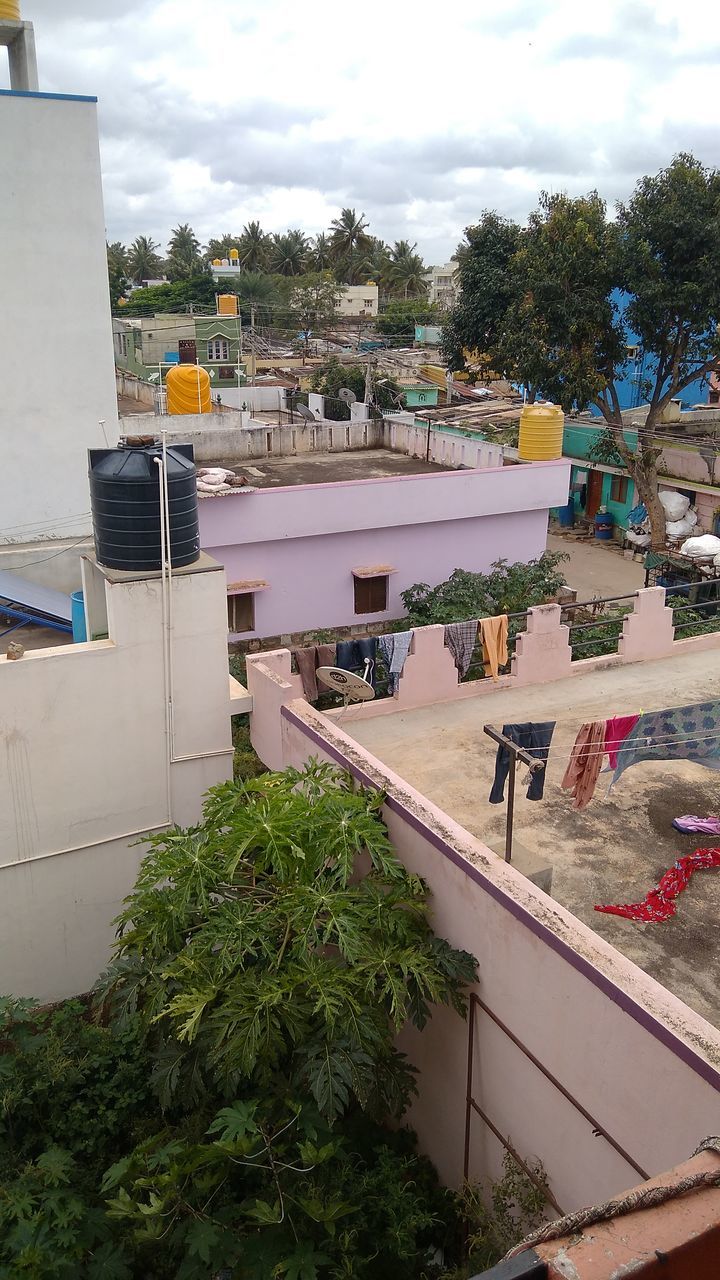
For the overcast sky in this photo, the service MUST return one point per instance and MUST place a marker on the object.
(419, 115)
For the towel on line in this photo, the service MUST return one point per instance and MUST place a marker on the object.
(494, 633)
(394, 649)
(679, 733)
(583, 767)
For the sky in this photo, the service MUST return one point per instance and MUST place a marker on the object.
(419, 115)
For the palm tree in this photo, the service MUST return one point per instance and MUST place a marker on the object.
(376, 263)
(220, 247)
(288, 253)
(253, 246)
(256, 291)
(321, 252)
(143, 261)
(407, 270)
(184, 258)
(347, 238)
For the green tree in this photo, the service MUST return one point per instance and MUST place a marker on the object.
(320, 252)
(407, 270)
(143, 261)
(329, 380)
(508, 588)
(288, 253)
(184, 258)
(117, 271)
(253, 248)
(220, 247)
(398, 320)
(349, 239)
(487, 287)
(547, 312)
(180, 296)
(312, 304)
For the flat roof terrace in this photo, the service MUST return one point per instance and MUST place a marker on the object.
(613, 851)
(325, 468)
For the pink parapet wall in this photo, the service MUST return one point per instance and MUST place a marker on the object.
(304, 541)
(600, 1026)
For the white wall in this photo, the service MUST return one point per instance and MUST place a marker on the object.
(58, 376)
(84, 768)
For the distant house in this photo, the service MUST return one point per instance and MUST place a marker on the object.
(358, 300)
(147, 346)
(442, 283)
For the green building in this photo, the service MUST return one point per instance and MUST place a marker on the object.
(597, 484)
(149, 345)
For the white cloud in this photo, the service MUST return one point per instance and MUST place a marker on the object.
(422, 118)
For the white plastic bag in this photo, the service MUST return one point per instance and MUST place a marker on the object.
(681, 528)
(701, 548)
(675, 504)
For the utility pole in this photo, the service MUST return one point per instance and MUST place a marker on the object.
(368, 380)
(252, 342)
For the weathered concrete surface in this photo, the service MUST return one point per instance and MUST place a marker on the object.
(613, 851)
(325, 468)
(597, 568)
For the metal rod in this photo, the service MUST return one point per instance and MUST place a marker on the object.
(468, 1090)
(581, 604)
(596, 1126)
(510, 809)
(519, 1160)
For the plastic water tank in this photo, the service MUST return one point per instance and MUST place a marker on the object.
(227, 304)
(9, 10)
(604, 521)
(541, 432)
(234, 255)
(188, 389)
(125, 504)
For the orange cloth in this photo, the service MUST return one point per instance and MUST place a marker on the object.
(493, 632)
(584, 764)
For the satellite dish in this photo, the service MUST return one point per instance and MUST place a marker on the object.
(304, 412)
(352, 687)
(347, 395)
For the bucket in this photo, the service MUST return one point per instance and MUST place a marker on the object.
(77, 616)
(604, 522)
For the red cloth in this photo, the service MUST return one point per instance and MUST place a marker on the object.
(617, 729)
(659, 903)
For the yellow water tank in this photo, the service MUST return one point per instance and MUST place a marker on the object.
(188, 389)
(234, 255)
(9, 10)
(541, 432)
(216, 262)
(227, 304)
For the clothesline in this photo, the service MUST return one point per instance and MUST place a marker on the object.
(657, 743)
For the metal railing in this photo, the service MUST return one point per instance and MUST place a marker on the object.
(471, 1104)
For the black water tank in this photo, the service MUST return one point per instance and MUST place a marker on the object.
(125, 503)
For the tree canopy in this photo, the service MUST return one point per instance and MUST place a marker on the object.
(552, 306)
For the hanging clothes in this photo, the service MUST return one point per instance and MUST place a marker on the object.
(688, 822)
(584, 764)
(536, 739)
(493, 633)
(346, 655)
(367, 653)
(659, 904)
(460, 639)
(617, 729)
(394, 650)
(307, 665)
(326, 655)
(679, 733)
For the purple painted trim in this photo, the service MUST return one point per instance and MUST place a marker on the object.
(609, 988)
(407, 479)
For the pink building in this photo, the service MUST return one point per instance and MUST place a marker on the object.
(304, 556)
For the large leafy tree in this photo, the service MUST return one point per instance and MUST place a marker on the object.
(253, 247)
(117, 271)
(555, 311)
(399, 318)
(287, 254)
(143, 260)
(328, 381)
(312, 304)
(407, 270)
(184, 258)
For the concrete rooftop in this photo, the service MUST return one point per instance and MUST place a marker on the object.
(324, 468)
(617, 848)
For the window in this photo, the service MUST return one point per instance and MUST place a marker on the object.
(371, 594)
(122, 344)
(241, 612)
(619, 489)
(218, 349)
(227, 371)
(367, 302)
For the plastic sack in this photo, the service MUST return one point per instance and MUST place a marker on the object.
(681, 528)
(639, 539)
(702, 548)
(675, 504)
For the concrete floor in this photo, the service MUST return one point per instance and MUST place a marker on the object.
(617, 848)
(597, 568)
(324, 468)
